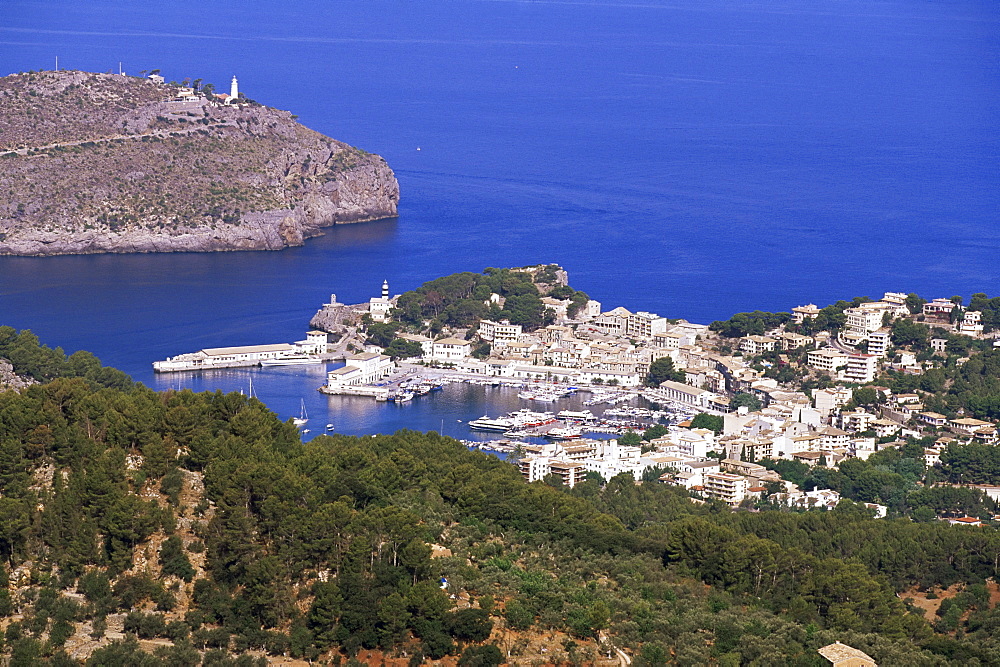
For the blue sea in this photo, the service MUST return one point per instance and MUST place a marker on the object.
(693, 158)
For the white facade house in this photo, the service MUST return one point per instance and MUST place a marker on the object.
(754, 345)
(536, 468)
(826, 359)
(645, 325)
(864, 319)
(499, 333)
(879, 342)
(860, 368)
(673, 338)
(939, 309)
(360, 369)
(613, 322)
(450, 349)
(692, 444)
(315, 343)
(972, 324)
(801, 313)
(730, 489)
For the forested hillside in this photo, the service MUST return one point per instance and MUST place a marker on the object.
(177, 528)
(462, 299)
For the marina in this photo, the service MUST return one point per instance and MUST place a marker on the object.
(449, 409)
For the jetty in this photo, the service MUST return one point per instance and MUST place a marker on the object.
(312, 350)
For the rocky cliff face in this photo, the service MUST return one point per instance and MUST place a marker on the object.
(10, 380)
(94, 163)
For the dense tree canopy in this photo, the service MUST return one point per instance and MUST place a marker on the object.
(462, 299)
(662, 370)
(144, 502)
(744, 324)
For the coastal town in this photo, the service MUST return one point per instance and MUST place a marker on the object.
(797, 390)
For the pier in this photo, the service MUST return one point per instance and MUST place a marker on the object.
(312, 350)
(378, 393)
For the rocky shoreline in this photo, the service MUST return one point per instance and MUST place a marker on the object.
(180, 175)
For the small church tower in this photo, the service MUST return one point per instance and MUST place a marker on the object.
(385, 289)
(234, 89)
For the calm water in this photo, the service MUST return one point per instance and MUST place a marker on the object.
(694, 158)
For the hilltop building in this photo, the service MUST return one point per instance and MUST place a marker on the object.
(379, 306)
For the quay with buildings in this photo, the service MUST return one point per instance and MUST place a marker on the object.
(609, 354)
(312, 350)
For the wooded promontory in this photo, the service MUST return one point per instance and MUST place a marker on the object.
(96, 163)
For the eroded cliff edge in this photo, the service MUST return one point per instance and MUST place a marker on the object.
(93, 163)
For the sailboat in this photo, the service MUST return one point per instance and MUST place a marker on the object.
(303, 415)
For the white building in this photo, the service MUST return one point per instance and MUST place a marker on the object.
(645, 325)
(379, 307)
(860, 368)
(360, 369)
(673, 338)
(827, 360)
(864, 319)
(682, 393)
(939, 309)
(800, 313)
(499, 333)
(826, 499)
(972, 324)
(754, 345)
(613, 322)
(730, 489)
(591, 310)
(693, 443)
(879, 342)
(450, 349)
(536, 468)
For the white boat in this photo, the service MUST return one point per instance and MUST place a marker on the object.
(486, 423)
(303, 415)
(291, 360)
(329, 427)
(525, 417)
(583, 415)
(563, 433)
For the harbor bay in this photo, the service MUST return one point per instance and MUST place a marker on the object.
(448, 411)
(684, 347)
(660, 170)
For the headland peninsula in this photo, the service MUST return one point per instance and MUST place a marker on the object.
(96, 163)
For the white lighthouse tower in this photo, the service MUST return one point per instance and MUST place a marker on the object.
(234, 90)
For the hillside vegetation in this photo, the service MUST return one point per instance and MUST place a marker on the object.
(177, 528)
(109, 163)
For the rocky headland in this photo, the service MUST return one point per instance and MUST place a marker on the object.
(94, 163)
